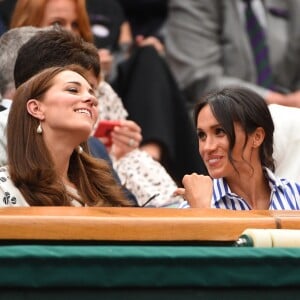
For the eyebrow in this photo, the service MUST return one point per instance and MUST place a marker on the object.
(211, 127)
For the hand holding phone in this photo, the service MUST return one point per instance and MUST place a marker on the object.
(104, 129)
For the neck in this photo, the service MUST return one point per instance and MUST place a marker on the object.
(61, 144)
(61, 161)
(60, 151)
(254, 188)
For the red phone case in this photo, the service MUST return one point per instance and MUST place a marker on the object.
(104, 129)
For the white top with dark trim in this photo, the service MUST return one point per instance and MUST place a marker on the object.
(10, 195)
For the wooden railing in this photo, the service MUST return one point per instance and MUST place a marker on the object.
(137, 224)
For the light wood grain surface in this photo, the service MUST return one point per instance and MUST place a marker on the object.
(137, 224)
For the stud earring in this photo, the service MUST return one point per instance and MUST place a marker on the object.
(39, 129)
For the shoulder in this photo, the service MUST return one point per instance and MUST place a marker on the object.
(285, 194)
(9, 194)
(288, 197)
(280, 183)
(290, 185)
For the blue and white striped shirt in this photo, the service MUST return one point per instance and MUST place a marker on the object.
(285, 195)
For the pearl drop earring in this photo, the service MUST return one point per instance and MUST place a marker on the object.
(39, 129)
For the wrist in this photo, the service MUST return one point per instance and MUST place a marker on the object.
(275, 98)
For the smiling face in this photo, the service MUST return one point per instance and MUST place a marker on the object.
(214, 146)
(61, 12)
(69, 105)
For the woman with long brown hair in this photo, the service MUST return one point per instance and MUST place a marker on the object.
(50, 120)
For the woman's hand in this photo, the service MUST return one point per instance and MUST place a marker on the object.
(125, 138)
(197, 190)
(106, 61)
(141, 41)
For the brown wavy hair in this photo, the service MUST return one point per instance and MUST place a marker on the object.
(31, 13)
(30, 164)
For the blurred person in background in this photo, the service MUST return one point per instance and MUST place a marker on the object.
(146, 17)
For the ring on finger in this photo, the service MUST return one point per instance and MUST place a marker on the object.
(131, 143)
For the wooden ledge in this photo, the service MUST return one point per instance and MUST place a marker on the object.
(136, 224)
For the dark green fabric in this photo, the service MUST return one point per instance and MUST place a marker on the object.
(147, 266)
(287, 293)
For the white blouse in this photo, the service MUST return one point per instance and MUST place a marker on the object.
(11, 196)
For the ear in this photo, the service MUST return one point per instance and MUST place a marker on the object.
(258, 137)
(34, 107)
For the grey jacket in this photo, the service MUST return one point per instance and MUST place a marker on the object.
(207, 46)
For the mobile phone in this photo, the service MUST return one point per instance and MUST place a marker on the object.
(105, 128)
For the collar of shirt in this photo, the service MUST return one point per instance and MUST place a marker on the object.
(258, 9)
(221, 191)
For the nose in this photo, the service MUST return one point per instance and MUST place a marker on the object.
(208, 145)
(90, 99)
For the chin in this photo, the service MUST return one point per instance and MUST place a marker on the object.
(215, 174)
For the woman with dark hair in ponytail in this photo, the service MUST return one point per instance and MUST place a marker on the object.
(235, 135)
